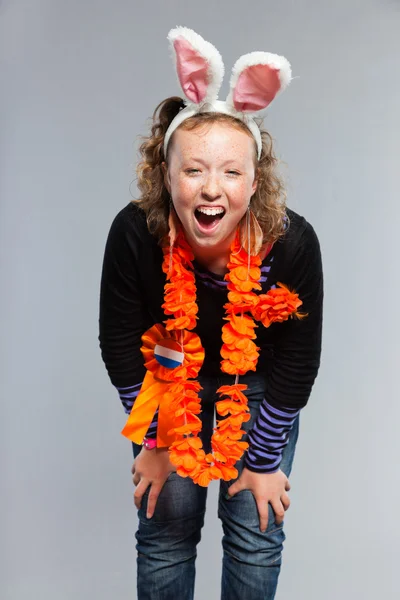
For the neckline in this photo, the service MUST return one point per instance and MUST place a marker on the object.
(202, 269)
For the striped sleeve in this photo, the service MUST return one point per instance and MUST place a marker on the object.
(268, 438)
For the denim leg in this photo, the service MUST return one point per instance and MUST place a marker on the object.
(167, 543)
(252, 559)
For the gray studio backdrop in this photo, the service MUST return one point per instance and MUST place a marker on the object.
(79, 81)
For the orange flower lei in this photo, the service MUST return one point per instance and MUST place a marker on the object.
(239, 355)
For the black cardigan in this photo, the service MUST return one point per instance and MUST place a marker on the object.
(131, 294)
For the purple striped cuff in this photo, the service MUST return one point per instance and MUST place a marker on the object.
(268, 437)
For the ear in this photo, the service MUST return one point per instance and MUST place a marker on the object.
(198, 64)
(255, 182)
(256, 80)
(254, 185)
(166, 176)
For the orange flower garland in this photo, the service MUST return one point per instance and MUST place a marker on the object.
(277, 306)
(239, 355)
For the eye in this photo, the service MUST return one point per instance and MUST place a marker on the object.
(233, 173)
(192, 171)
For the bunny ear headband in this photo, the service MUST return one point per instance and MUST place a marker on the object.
(256, 79)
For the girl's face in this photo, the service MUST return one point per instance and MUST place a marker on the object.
(211, 178)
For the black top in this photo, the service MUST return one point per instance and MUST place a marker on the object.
(131, 295)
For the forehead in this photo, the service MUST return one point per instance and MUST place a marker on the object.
(216, 138)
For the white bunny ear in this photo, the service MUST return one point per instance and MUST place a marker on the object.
(256, 79)
(198, 64)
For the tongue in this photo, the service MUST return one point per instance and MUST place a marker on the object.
(207, 221)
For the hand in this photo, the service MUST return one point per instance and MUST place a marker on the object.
(150, 467)
(266, 488)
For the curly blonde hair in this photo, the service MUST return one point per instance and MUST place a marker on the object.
(268, 203)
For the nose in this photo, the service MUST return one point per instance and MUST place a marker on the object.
(211, 187)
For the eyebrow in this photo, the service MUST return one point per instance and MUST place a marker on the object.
(199, 160)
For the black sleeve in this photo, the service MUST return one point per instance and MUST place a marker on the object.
(297, 351)
(122, 317)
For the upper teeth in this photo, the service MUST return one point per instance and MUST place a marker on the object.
(210, 211)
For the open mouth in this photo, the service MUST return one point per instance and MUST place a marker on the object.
(209, 218)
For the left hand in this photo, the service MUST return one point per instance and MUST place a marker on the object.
(150, 468)
(266, 488)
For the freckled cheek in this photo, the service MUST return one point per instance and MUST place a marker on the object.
(184, 194)
(240, 197)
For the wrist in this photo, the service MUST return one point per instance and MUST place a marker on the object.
(149, 443)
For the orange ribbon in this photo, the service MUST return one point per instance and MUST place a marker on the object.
(157, 381)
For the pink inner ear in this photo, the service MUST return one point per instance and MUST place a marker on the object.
(192, 70)
(256, 87)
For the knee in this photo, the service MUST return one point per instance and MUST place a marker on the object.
(175, 527)
(169, 541)
(257, 550)
(244, 541)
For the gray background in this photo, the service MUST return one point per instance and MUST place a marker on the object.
(79, 81)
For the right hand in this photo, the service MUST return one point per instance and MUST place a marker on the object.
(150, 467)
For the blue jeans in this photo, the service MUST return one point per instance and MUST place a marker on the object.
(166, 543)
